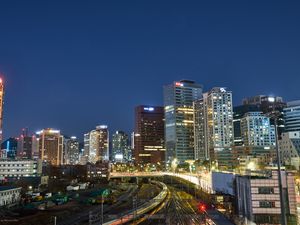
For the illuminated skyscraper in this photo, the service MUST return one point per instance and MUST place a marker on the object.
(120, 147)
(27, 146)
(256, 130)
(1, 107)
(179, 123)
(213, 124)
(292, 116)
(149, 134)
(96, 144)
(51, 144)
(71, 150)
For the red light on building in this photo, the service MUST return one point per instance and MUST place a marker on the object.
(178, 84)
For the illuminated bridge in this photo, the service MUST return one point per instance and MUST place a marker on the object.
(201, 180)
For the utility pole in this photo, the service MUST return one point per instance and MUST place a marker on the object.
(275, 114)
(134, 203)
(102, 200)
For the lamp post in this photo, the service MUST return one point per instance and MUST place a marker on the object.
(274, 115)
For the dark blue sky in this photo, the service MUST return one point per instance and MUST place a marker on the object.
(75, 64)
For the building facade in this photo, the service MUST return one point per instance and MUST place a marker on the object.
(149, 144)
(71, 149)
(20, 168)
(268, 104)
(289, 147)
(27, 146)
(9, 196)
(120, 147)
(10, 147)
(258, 198)
(179, 119)
(238, 114)
(50, 144)
(213, 124)
(256, 130)
(96, 144)
(292, 116)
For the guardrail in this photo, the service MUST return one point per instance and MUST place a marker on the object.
(144, 208)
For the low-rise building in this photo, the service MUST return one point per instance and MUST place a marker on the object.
(289, 147)
(9, 196)
(258, 197)
(20, 168)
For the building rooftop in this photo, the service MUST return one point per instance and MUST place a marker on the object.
(5, 188)
(293, 103)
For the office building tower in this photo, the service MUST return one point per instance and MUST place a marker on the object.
(50, 144)
(267, 104)
(1, 108)
(292, 116)
(238, 114)
(149, 134)
(256, 130)
(120, 147)
(9, 148)
(179, 124)
(213, 124)
(96, 144)
(71, 150)
(27, 145)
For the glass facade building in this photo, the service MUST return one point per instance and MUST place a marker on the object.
(292, 116)
(120, 147)
(179, 123)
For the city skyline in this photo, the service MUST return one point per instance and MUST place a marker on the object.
(80, 135)
(62, 72)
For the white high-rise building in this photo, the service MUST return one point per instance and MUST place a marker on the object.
(256, 130)
(213, 123)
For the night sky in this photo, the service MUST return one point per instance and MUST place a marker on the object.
(72, 65)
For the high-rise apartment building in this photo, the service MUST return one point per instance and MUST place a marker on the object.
(213, 124)
(149, 134)
(71, 150)
(1, 107)
(120, 147)
(51, 144)
(179, 124)
(96, 144)
(256, 130)
(27, 146)
(292, 116)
